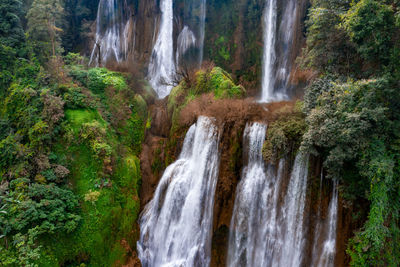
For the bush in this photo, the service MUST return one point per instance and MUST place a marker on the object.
(284, 135)
(48, 207)
(100, 78)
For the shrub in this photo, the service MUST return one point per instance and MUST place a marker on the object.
(100, 78)
(284, 135)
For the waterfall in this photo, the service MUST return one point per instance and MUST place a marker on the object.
(319, 225)
(286, 32)
(292, 216)
(277, 62)
(190, 42)
(111, 32)
(162, 66)
(269, 53)
(253, 236)
(325, 256)
(186, 40)
(261, 233)
(176, 225)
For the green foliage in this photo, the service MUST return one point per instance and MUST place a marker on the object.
(355, 124)
(7, 55)
(378, 242)
(221, 83)
(44, 218)
(222, 49)
(11, 32)
(47, 207)
(284, 134)
(44, 18)
(314, 90)
(100, 78)
(371, 26)
(328, 48)
(112, 206)
(76, 99)
(217, 81)
(25, 252)
(344, 120)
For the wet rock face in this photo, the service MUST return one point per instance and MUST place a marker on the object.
(160, 122)
(147, 17)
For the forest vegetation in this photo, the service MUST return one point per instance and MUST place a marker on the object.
(71, 135)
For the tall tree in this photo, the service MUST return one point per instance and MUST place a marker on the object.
(44, 20)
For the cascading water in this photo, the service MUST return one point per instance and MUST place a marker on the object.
(277, 62)
(176, 225)
(111, 32)
(325, 256)
(292, 216)
(286, 32)
(261, 234)
(253, 236)
(162, 66)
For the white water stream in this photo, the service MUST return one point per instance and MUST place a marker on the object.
(176, 225)
(325, 256)
(263, 232)
(276, 66)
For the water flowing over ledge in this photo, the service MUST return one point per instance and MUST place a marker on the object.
(262, 232)
(176, 225)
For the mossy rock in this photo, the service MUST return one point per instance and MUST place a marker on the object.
(221, 83)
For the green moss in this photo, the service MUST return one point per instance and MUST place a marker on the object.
(221, 83)
(110, 218)
(76, 118)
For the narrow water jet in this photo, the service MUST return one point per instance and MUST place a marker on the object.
(194, 19)
(202, 30)
(176, 225)
(277, 53)
(162, 70)
(325, 256)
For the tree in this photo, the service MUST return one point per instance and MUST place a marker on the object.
(11, 32)
(44, 19)
(328, 48)
(371, 25)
